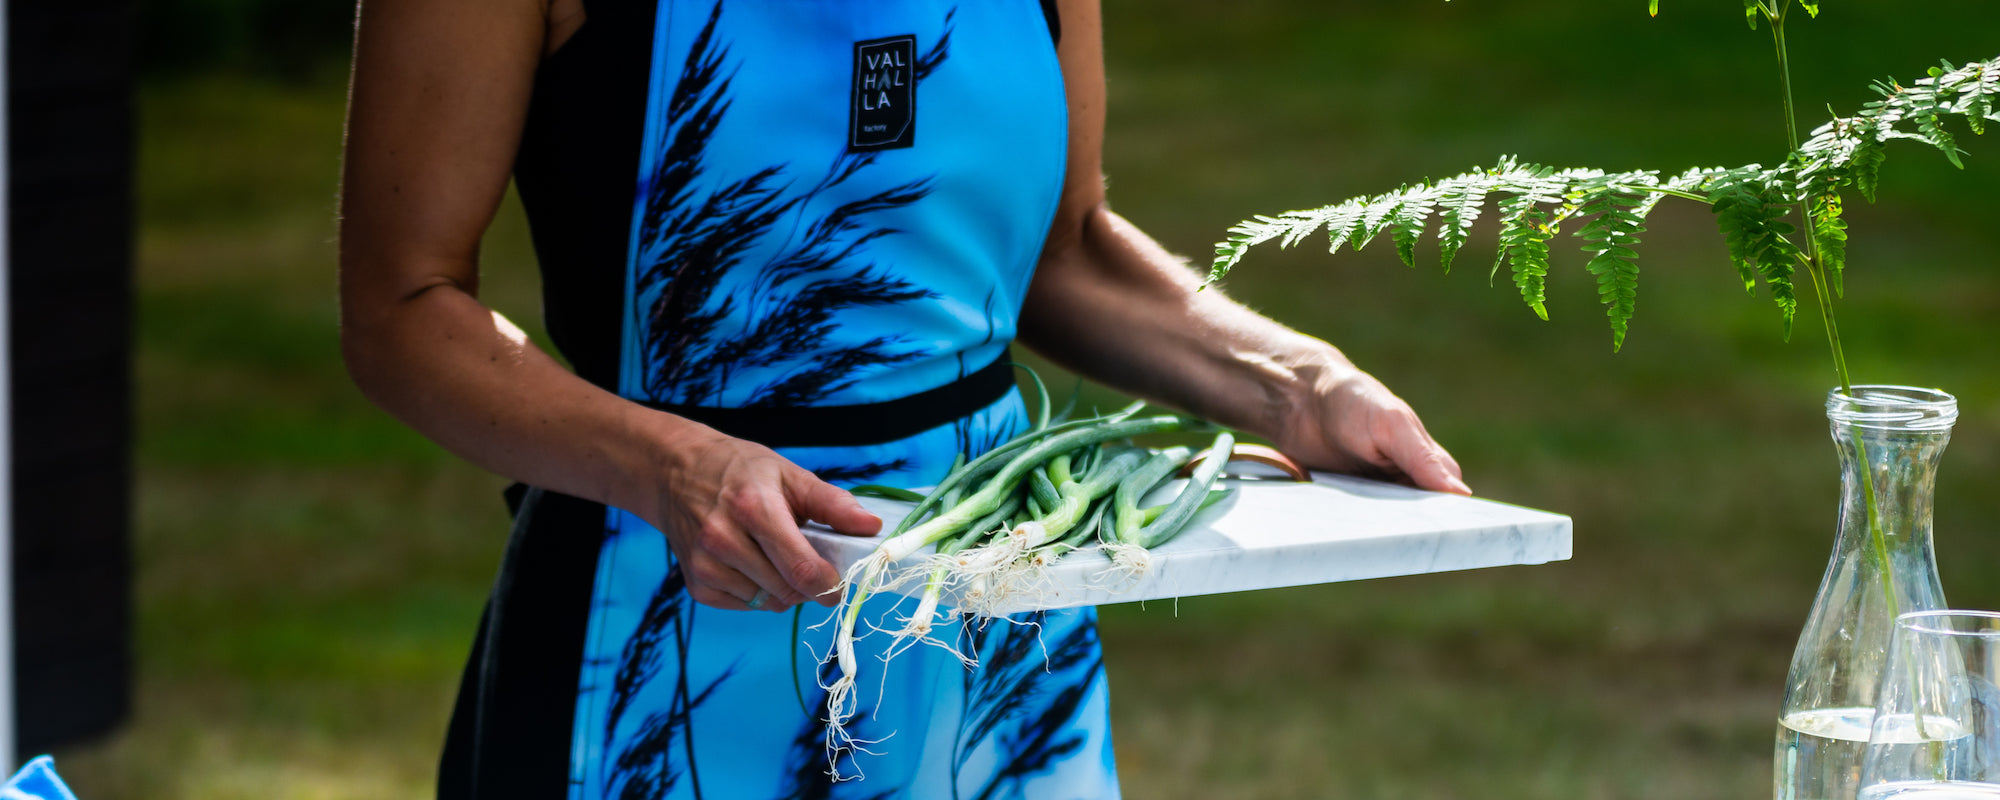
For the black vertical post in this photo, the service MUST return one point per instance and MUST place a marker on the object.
(70, 81)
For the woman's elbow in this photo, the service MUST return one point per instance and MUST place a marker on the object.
(374, 340)
(366, 351)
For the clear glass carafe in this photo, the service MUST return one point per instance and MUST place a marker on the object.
(1889, 439)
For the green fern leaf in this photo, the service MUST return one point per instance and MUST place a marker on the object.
(1865, 165)
(1726, 203)
(1375, 217)
(1230, 251)
(1576, 184)
(1750, 203)
(1249, 233)
(1410, 219)
(1693, 180)
(1524, 247)
(1340, 221)
(1609, 237)
(1751, 215)
(1975, 101)
(1463, 199)
(1987, 78)
(1777, 273)
(1508, 177)
(1300, 225)
(1931, 126)
(1227, 253)
(1830, 234)
(1350, 230)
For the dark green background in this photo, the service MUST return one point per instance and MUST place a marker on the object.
(310, 571)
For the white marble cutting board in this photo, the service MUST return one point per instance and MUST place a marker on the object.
(1274, 533)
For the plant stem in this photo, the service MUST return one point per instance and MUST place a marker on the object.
(1702, 199)
(1815, 268)
(798, 690)
(1785, 77)
(1877, 537)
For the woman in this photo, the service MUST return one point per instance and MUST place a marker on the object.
(784, 245)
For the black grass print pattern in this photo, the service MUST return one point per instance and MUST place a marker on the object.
(693, 238)
(1017, 677)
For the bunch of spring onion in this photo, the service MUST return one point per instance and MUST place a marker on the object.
(996, 523)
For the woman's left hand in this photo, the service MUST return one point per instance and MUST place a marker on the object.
(1347, 421)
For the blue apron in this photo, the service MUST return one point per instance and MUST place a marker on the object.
(839, 204)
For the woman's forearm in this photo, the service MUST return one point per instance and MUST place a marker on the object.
(468, 379)
(1111, 303)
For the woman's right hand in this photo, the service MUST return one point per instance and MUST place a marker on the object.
(731, 511)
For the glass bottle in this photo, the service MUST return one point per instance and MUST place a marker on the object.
(1889, 439)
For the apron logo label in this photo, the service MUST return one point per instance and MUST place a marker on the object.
(882, 109)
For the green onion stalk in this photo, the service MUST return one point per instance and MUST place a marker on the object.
(876, 572)
(986, 465)
(1013, 568)
(1135, 536)
(918, 626)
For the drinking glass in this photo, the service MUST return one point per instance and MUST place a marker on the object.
(1936, 731)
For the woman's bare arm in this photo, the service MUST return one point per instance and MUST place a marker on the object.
(1109, 302)
(440, 90)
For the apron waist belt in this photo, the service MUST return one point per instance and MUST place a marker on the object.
(856, 425)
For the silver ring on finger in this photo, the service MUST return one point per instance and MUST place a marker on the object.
(757, 600)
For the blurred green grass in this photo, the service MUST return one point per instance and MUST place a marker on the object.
(310, 572)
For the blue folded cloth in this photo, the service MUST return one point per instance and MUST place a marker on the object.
(36, 781)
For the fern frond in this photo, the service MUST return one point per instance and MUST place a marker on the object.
(1289, 228)
(1228, 252)
(1925, 107)
(1525, 233)
(1302, 225)
(1340, 222)
(1524, 239)
(1618, 219)
(1410, 219)
(1375, 217)
(1750, 203)
(1830, 234)
(1462, 198)
(1819, 177)
(1920, 111)
(1577, 185)
(1866, 167)
(1978, 104)
(1975, 102)
(1242, 236)
(1749, 206)
(1694, 180)
(1726, 204)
